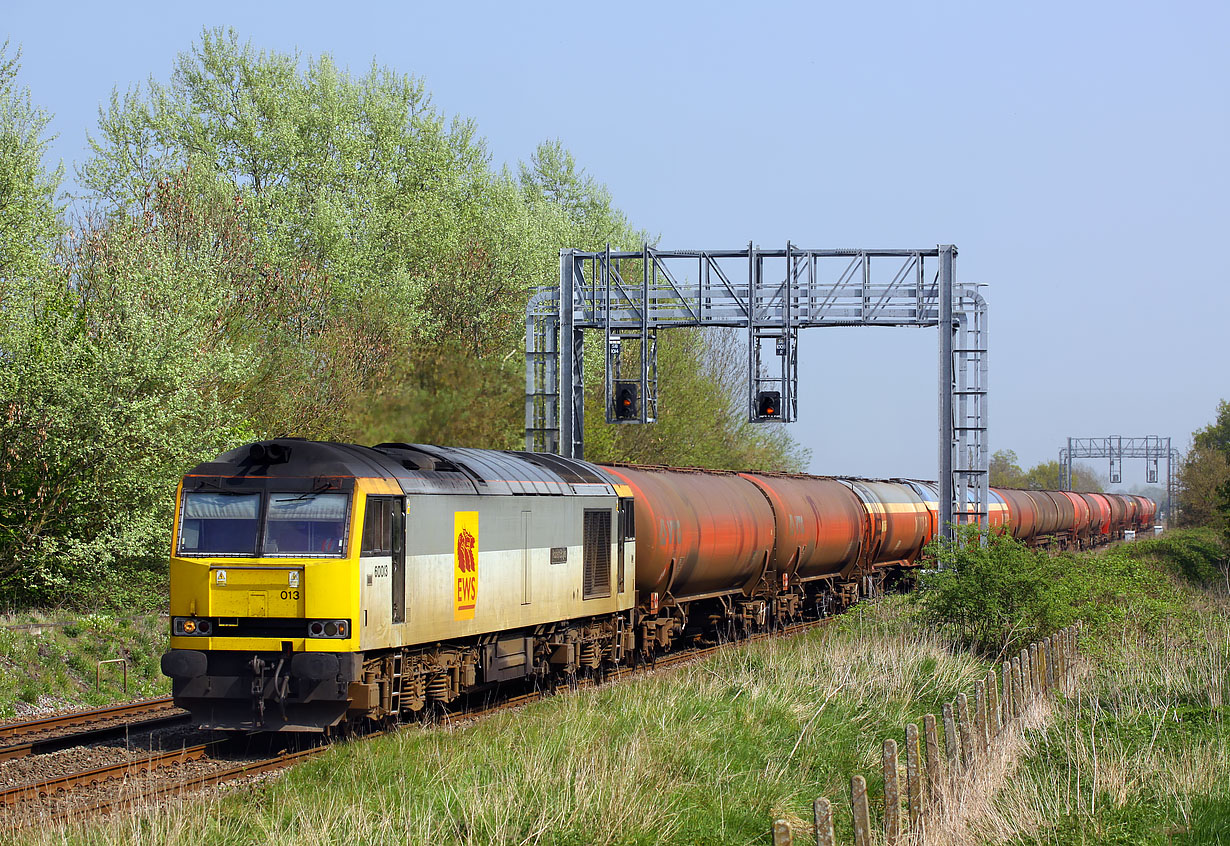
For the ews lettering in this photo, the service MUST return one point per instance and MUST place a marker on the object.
(465, 564)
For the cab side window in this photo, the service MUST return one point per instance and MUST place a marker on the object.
(378, 526)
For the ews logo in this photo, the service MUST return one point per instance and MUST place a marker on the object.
(465, 564)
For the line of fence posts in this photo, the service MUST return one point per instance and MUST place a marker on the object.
(999, 700)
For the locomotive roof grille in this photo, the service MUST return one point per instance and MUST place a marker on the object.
(418, 468)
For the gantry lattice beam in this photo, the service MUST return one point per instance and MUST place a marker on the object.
(770, 294)
(1154, 449)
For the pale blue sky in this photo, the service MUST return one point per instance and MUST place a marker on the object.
(1074, 152)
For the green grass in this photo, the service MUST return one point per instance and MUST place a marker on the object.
(1137, 752)
(59, 665)
(1142, 755)
(706, 753)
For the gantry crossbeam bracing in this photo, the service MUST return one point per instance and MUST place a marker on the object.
(770, 295)
(1154, 449)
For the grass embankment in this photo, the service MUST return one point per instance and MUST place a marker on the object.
(707, 753)
(53, 666)
(711, 752)
(1141, 752)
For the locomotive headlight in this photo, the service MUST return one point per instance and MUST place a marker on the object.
(329, 628)
(190, 626)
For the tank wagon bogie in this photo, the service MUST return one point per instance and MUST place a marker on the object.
(316, 586)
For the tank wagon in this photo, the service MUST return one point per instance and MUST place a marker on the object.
(318, 586)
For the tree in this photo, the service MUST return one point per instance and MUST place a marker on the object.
(29, 215)
(1005, 471)
(1217, 434)
(1204, 475)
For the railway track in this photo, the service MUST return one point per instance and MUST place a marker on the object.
(95, 775)
(92, 719)
(155, 774)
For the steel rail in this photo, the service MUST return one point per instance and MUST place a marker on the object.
(80, 738)
(77, 718)
(286, 759)
(37, 789)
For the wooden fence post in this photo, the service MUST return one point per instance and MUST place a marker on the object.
(1034, 687)
(1061, 659)
(1018, 688)
(952, 746)
(858, 808)
(782, 835)
(913, 778)
(1026, 677)
(892, 794)
(967, 733)
(823, 812)
(1049, 654)
(980, 718)
(933, 757)
(993, 716)
(1007, 703)
(1043, 668)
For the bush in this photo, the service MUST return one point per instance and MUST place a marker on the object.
(998, 597)
(995, 597)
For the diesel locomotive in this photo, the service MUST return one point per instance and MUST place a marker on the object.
(318, 586)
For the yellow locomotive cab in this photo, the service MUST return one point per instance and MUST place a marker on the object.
(313, 583)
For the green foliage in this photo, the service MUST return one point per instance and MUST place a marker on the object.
(1217, 434)
(1003, 595)
(994, 597)
(1007, 473)
(109, 390)
(29, 214)
(1204, 476)
(285, 249)
(58, 665)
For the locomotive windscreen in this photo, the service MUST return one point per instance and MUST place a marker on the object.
(219, 524)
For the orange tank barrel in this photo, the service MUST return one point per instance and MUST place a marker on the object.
(697, 531)
(1065, 508)
(1022, 513)
(1118, 512)
(819, 524)
(899, 519)
(1048, 513)
(1102, 520)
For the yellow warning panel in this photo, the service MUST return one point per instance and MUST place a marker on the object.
(465, 564)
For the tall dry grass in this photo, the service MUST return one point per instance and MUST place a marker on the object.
(1127, 757)
(701, 754)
